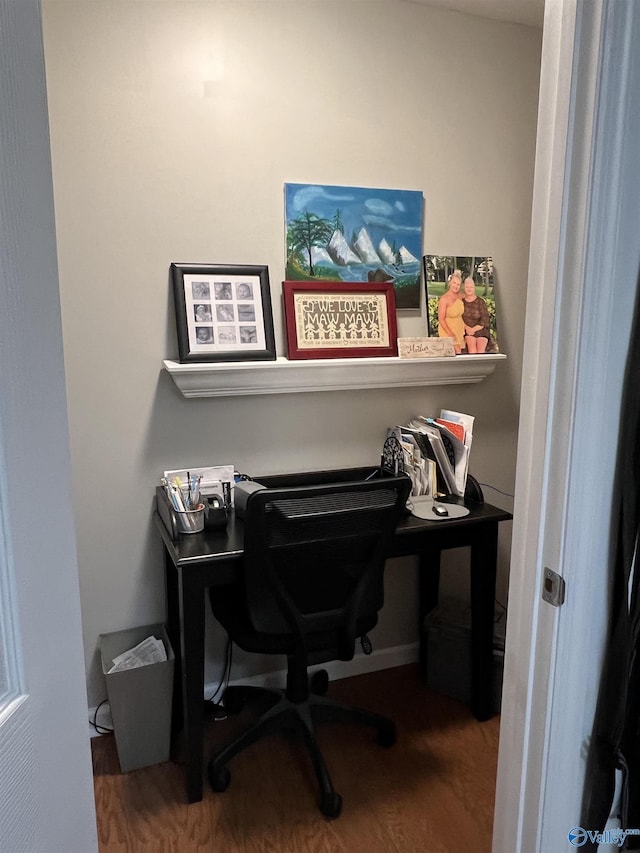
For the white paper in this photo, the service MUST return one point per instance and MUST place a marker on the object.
(461, 457)
(150, 650)
(212, 478)
(435, 438)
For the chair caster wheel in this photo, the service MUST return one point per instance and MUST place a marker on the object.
(319, 682)
(387, 735)
(331, 804)
(220, 778)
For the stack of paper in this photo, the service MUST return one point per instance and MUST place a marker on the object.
(436, 452)
(417, 463)
(150, 650)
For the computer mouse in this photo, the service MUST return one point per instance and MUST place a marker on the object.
(438, 509)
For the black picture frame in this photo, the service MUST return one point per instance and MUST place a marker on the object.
(223, 312)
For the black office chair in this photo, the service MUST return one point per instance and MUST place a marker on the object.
(312, 584)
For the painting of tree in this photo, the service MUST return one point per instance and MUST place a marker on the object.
(305, 233)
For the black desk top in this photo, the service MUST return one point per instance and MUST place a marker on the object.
(214, 546)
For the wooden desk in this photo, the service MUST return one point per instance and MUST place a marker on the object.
(195, 562)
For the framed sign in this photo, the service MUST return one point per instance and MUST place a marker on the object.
(340, 319)
(223, 313)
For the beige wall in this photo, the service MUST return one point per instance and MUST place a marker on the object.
(174, 126)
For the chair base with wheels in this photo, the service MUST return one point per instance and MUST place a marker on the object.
(284, 713)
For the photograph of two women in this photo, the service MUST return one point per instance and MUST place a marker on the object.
(461, 302)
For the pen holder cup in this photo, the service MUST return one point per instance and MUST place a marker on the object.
(191, 520)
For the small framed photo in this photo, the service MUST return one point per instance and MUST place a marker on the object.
(337, 319)
(223, 313)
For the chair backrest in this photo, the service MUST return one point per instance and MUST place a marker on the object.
(314, 556)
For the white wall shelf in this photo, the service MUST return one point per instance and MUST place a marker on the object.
(233, 379)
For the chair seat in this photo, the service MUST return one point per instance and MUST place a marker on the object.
(229, 606)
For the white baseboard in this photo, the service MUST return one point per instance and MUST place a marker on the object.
(378, 660)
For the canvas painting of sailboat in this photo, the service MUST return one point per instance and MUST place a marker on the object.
(355, 234)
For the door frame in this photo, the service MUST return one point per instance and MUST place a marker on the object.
(581, 288)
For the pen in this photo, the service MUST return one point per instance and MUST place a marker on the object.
(177, 499)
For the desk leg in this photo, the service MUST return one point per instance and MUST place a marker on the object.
(429, 584)
(192, 672)
(173, 632)
(484, 557)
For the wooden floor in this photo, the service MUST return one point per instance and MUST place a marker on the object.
(433, 792)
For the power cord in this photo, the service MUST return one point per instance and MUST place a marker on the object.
(101, 730)
(489, 486)
(213, 705)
